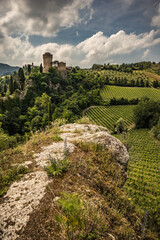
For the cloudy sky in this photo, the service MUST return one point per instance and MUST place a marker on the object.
(79, 32)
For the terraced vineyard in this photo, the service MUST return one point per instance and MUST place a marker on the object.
(143, 185)
(108, 116)
(109, 92)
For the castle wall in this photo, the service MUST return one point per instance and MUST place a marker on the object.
(62, 66)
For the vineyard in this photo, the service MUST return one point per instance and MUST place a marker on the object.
(109, 92)
(143, 184)
(108, 116)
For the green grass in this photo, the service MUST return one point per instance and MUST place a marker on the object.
(109, 92)
(143, 185)
(108, 116)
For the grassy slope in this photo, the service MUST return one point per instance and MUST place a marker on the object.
(95, 177)
(152, 76)
(109, 92)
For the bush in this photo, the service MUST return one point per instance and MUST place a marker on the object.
(57, 166)
(7, 141)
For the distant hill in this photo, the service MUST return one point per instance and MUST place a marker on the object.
(7, 69)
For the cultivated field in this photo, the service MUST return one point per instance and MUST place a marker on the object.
(108, 116)
(109, 92)
(143, 184)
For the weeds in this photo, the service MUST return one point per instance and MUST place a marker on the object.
(57, 166)
(7, 178)
(57, 138)
(73, 218)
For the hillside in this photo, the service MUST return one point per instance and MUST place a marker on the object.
(110, 92)
(6, 69)
(83, 199)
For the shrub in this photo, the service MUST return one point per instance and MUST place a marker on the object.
(57, 166)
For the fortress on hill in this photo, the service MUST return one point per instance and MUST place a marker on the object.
(47, 63)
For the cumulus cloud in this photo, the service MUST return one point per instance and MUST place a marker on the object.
(96, 49)
(146, 53)
(156, 19)
(99, 47)
(41, 17)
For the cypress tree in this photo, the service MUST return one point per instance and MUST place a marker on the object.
(41, 68)
(11, 87)
(5, 88)
(21, 78)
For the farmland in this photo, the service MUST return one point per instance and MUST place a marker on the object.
(143, 184)
(108, 116)
(109, 92)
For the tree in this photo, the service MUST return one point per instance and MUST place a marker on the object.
(155, 84)
(29, 68)
(11, 85)
(5, 88)
(41, 68)
(50, 111)
(147, 83)
(21, 77)
(146, 113)
(119, 126)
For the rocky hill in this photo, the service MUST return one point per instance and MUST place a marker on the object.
(72, 188)
(6, 69)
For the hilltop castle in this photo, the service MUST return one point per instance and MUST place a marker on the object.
(47, 63)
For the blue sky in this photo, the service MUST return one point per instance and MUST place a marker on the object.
(79, 32)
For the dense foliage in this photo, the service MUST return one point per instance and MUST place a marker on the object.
(147, 113)
(39, 98)
(128, 67)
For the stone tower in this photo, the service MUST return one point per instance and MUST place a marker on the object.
(62, 66)
(47, 61)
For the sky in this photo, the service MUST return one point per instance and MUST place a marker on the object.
(79, 32)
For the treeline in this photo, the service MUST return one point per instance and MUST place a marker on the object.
(129, 68)
(16, 81)
(123, 82)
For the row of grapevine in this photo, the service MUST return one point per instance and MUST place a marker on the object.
(108, 116)
(143, 184)
(109, 92)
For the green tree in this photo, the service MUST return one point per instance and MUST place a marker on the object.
(41, 68)
(119, 126)
(29, 68)
(21, 77)
(50, 111)
(146, 113)
(5, 88)
(11, 85)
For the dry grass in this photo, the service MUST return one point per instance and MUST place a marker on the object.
(97, 179)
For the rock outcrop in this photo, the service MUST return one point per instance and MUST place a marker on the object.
(96, 134)
(24, 196)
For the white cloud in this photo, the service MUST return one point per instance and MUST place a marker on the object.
(41, 17)
(156, 19)
(146, 53)
(96, 49)
(99, 47)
